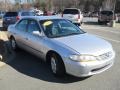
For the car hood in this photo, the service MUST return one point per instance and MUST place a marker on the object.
(85, 44)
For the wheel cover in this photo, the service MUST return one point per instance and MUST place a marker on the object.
(53, 65)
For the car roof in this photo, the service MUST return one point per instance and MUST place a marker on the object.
(38, 18)
(106, 11)
(72, 8)
(26, 11)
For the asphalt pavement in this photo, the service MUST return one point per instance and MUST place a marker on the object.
(27, 72)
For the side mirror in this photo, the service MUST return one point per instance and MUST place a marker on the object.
(36, 33)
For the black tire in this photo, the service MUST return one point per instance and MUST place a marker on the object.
(80, 24)
(4, 29)
(13, 44)
(99, 22)
(58, 69)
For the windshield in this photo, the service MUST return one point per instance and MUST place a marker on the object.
(71, 11)
(106, 12)
(28, 14)
(11, 14)
(59, 28)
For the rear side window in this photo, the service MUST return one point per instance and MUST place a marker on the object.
(11, 14)
(107, 12)
(22, 25)
(28, 14)
(70, 11)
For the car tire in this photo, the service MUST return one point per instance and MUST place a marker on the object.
(99, 22)
(4, 28)
(80, 24)
(13, 44)
(57, 65)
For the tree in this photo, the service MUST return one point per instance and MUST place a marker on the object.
(6, 5)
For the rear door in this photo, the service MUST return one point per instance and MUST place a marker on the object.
(20, 33)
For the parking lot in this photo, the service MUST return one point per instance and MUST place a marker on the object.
(27, 72)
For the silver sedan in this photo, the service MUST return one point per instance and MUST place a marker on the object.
(66, 47)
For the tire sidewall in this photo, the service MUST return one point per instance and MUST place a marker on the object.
(11, 43)
(60, 69)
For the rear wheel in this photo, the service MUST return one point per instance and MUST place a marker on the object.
(13, 43)
(99, 22)
(57, 65)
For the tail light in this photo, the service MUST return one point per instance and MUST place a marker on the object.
(18, 18)
(114, 17)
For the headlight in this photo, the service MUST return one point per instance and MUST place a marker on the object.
(83, 58)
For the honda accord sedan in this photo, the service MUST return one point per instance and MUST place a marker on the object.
(63, 45)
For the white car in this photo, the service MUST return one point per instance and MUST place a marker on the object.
(74, 15)
(58, 41)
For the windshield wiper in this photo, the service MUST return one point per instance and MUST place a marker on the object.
(74, 33)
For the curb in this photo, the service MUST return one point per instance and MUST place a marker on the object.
(2, 64)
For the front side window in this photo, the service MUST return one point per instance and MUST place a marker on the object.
(59, 28)
(33, 26)
(71, 11)
(22, 25)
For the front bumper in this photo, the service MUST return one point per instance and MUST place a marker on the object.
(84, 69)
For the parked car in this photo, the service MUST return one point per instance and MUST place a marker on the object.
(94, 14)
(118, 17)
(106, 16)
(73, 14)
(66, 47)
(12, 17)
(38, 12)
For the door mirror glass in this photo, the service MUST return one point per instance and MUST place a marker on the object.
(36, 33)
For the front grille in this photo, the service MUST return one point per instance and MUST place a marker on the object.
(106, 56)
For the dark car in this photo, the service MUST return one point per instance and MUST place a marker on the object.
(13, 17)
(106, 16)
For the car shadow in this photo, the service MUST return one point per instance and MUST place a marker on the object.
(32, 66)
(95, 23)
(2, 29)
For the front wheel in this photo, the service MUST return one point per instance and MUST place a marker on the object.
(57, 65)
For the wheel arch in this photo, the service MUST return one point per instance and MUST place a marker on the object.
(11, 36)
(49, 54)
(52, 52)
